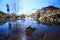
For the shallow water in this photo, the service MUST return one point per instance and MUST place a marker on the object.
(17, 31)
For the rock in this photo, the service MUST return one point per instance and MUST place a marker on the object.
(29, 30)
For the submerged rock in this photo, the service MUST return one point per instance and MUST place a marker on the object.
(29, 30)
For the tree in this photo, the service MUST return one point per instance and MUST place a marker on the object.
(16, 5)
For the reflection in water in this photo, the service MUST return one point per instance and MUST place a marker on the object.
(16, 31)
(10, 26)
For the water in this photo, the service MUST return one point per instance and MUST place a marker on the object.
(16, 31)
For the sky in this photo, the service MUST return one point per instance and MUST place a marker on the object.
(26, 6)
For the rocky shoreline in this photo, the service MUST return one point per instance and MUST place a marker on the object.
(50, 20)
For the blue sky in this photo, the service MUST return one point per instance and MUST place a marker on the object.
(27, 6)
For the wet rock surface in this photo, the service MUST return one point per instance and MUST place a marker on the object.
(29, 30)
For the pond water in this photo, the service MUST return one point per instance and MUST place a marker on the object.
(16, 31)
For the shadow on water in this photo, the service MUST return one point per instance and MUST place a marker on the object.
(16, 31)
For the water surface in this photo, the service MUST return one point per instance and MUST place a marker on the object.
(17, 31)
